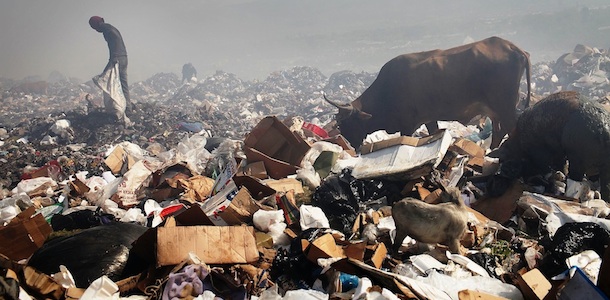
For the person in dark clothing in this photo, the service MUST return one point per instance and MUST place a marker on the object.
(188, 72)
(117, 50)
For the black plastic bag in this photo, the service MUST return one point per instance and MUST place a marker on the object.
(90, 253)
(571, 239)
(341, 197)
(291, 269)
(81, 219)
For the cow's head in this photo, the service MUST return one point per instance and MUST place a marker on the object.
(351, 121)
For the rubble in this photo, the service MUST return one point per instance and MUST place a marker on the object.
(241, 189)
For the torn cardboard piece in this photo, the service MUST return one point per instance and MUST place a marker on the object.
(197, 188)
(241, 209)
(119, 160)
(285, 184)
(256, 170)
(276, 169)
(24, 234)
(237, 242)
(274, 139)
(534, 285)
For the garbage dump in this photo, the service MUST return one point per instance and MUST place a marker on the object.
(241, 189)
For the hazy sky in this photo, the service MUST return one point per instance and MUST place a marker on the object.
(248, 38)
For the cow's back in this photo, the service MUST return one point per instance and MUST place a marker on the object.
(453, 84)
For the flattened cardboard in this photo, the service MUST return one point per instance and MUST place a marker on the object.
(237, 243)
(401, 140)
(500, 209)
(42, 283)
(24, 234)
(403, 161)
(356, 251)
(286, 184)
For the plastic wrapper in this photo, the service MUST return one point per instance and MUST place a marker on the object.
(192, 151)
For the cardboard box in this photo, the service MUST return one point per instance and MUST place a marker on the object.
(256, 170)
(276, 169)
(237, 243)
(274, 139)
(241, 209)
(534, 285)
(24, 234)
(375, 255)
(257, 189)
(403, 158)
(323, 247)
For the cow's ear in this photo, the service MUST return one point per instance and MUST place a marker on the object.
(364, 116)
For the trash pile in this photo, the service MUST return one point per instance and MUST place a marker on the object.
(235, 189)
(584, 70)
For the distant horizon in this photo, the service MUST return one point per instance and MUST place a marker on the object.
(254, 38)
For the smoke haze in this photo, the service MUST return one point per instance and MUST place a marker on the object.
(254, 38)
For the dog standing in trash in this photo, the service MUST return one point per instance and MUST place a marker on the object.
(443, 223)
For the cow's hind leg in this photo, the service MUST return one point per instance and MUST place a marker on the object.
(604, 183)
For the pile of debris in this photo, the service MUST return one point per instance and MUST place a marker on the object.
(235, 189)
(584, 70)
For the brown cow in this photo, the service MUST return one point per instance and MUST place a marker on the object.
(460, 83)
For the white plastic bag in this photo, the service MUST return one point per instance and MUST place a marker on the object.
(263, 218)
(312, 217)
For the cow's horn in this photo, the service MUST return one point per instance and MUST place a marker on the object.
(347, 106)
